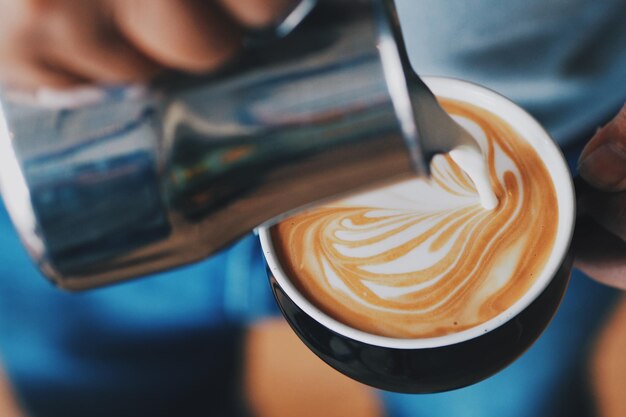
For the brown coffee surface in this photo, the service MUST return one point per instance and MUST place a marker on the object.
(423, 258)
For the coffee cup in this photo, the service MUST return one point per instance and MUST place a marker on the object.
(453, 359)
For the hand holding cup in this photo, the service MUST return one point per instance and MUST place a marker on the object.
(600, 241)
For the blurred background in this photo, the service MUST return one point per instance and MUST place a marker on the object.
(207, 340)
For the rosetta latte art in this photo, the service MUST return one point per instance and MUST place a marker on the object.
(423, 258)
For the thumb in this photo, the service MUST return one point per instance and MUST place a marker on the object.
(603, 161)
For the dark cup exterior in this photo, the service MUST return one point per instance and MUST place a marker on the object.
(429, 370)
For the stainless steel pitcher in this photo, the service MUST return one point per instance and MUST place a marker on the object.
(108, 184)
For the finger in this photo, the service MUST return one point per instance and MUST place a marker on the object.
(603, 161)
(111, 63)
(258, 13)
(98, 53)
(608, 209)
(599, 254)
(190, 35)
(31, 75)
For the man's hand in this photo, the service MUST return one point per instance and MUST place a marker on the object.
(60, 43)
(600, 240)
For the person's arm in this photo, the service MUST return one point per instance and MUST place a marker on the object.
(600, 240)
(608, 365)
(283, 378)
(59, 43)
(9, 406)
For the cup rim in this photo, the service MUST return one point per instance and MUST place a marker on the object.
(556, 165)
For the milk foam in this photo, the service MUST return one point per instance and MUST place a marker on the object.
(472, 162)
(425, 257)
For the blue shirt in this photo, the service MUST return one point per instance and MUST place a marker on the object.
(563, 60)
(150, 347)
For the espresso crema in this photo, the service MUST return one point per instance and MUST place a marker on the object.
(423, 258)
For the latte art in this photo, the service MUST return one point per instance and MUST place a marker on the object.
(424, 258)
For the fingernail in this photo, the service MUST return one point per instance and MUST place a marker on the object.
(605, 167)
